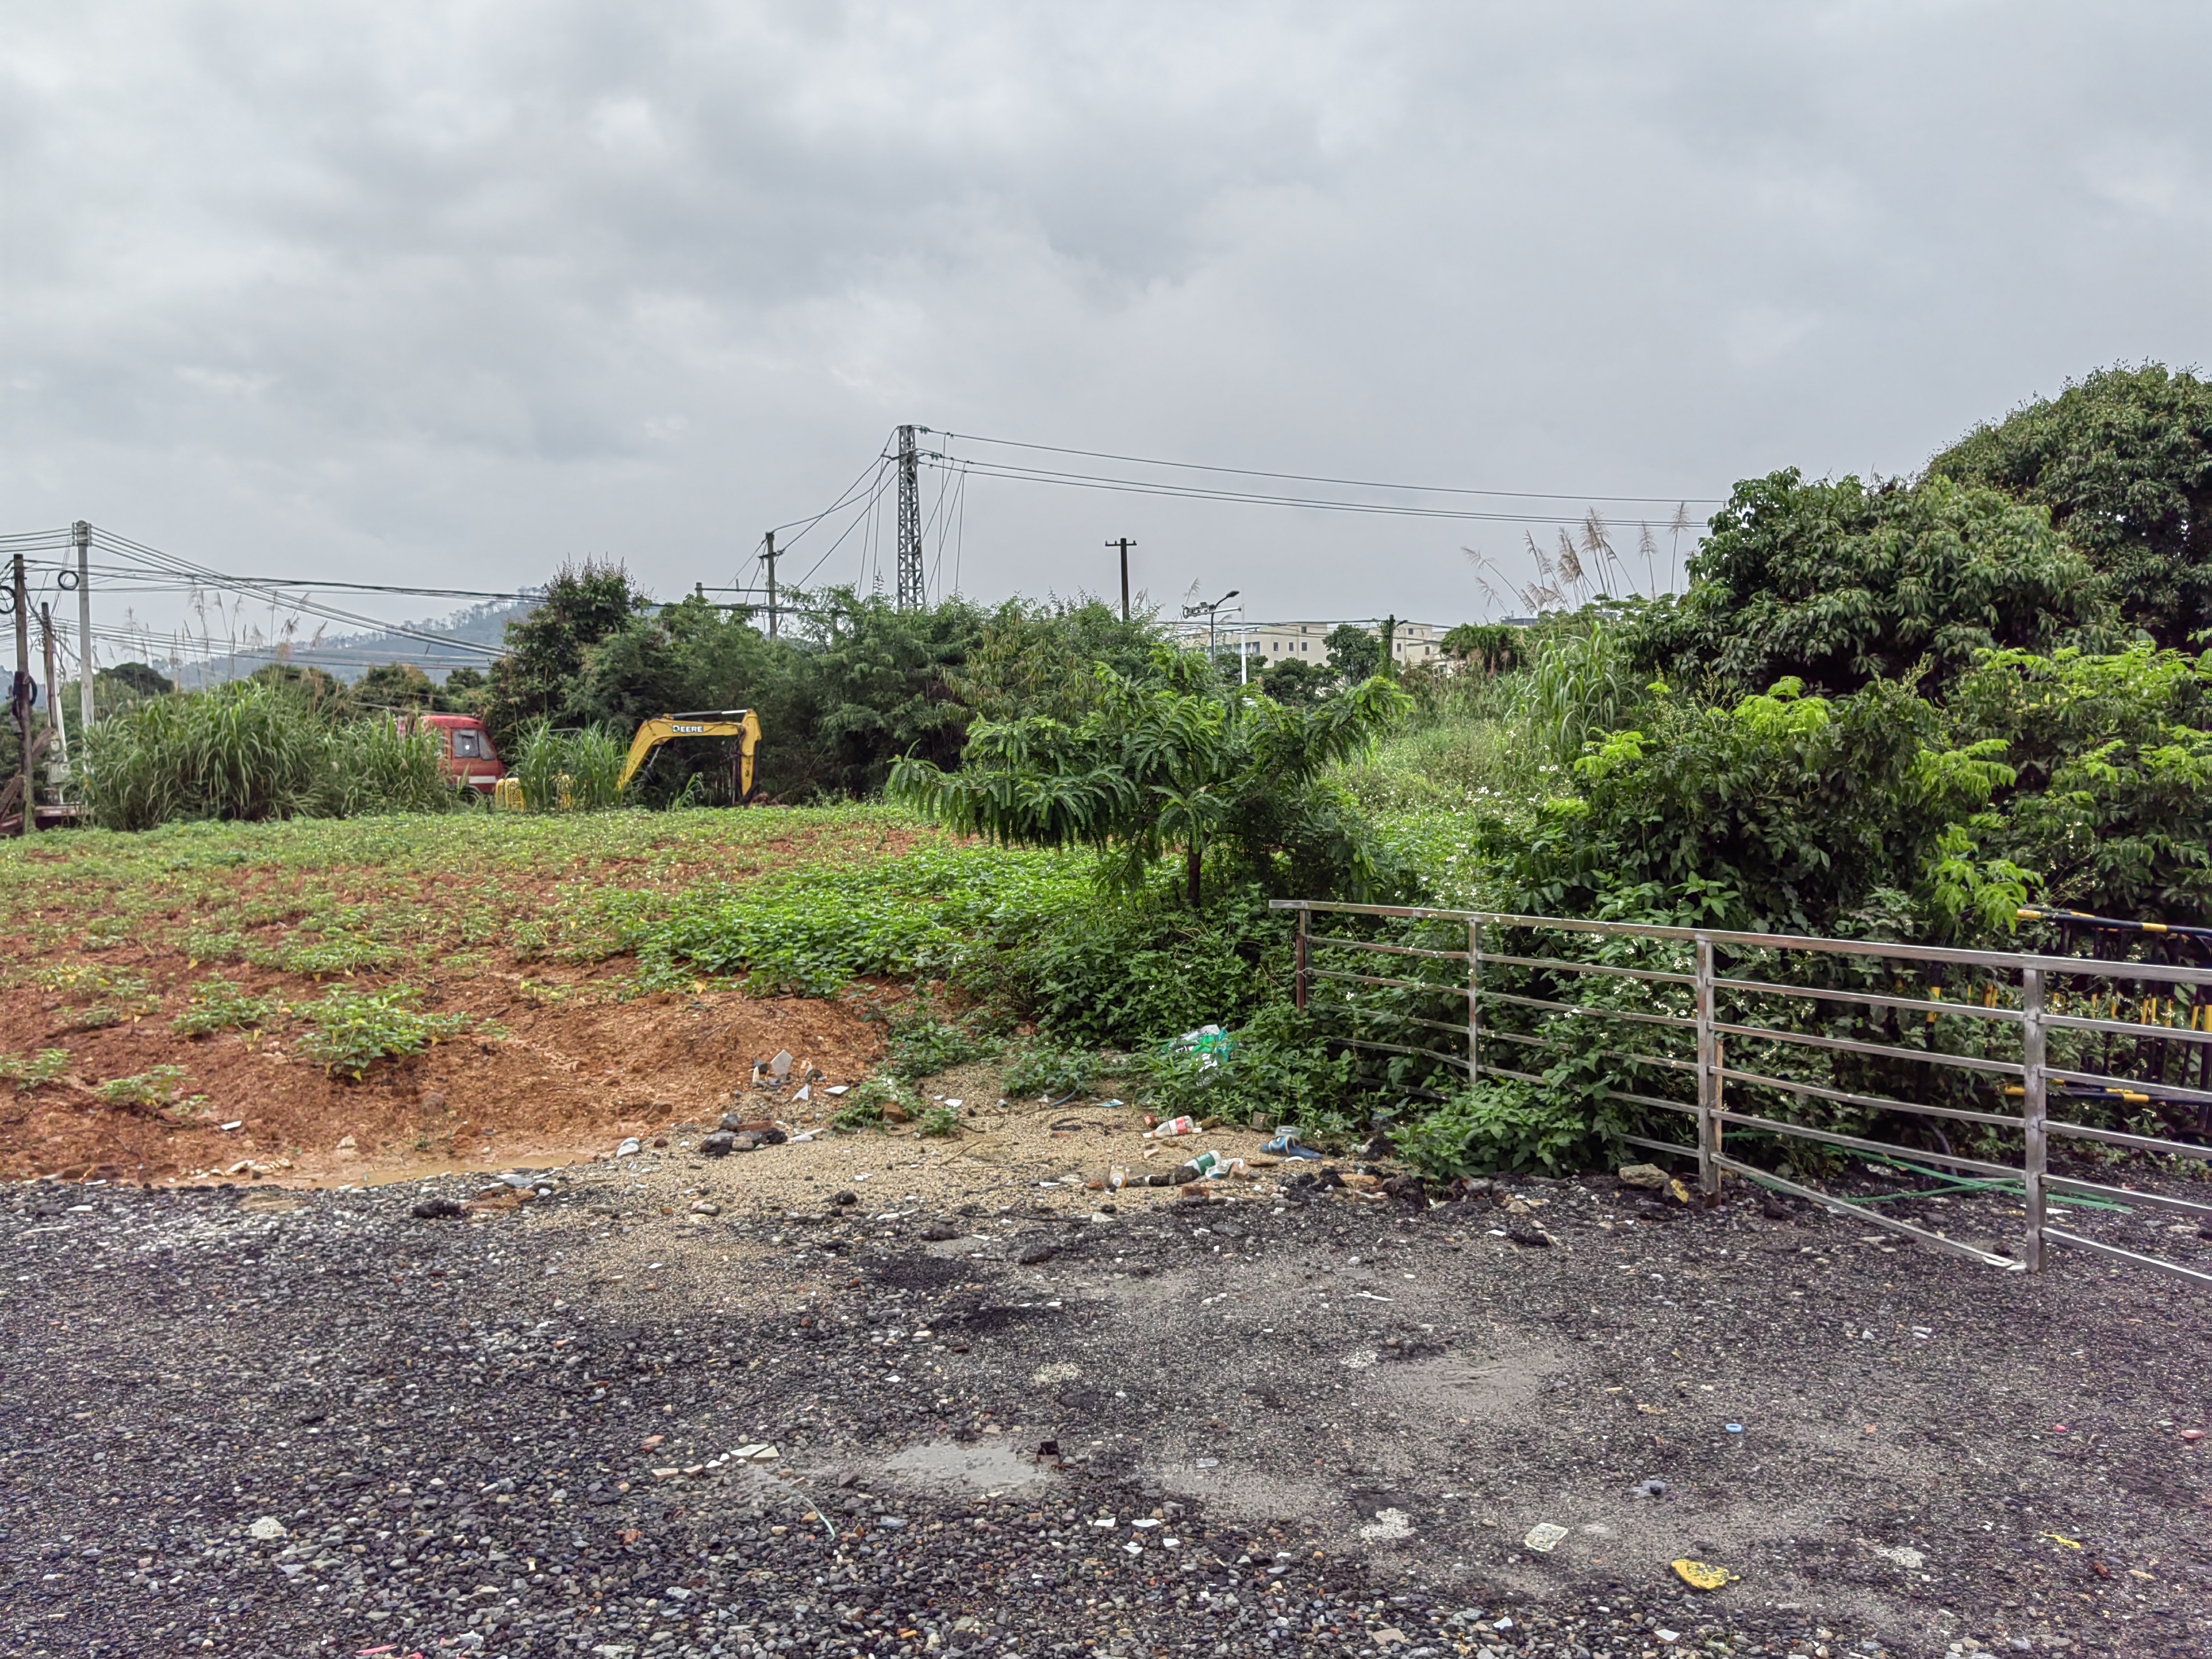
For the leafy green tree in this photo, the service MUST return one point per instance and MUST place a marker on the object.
(1491, 647)
(1296, 683)
(547, 650)
(1839, 583)
(395, 685)
(2123, 461)
(1169, 762)
(132, 679)
(1354, 653)
(1035, 658)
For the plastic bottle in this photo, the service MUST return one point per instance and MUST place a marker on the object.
(1175, 1126)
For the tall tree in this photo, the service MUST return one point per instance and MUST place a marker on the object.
(2122, 461)
(1354, 652)
(546, 651)
(1839, 583)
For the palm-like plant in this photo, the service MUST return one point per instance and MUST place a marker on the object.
(1167, 762)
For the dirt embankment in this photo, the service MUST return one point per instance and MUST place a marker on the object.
(554, 1070)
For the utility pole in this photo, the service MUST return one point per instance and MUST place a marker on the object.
(911, 594)
(18, 696)
(81, 532)
(1125, 544)
(54, 723)
(769, 558)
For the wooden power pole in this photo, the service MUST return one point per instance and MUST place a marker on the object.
(1125, 544)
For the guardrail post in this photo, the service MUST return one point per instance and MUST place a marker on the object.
(1474, 1004)
(1299, 979)
(2035, 1156)
(1709, 1082)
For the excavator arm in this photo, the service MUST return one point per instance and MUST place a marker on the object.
(739, 723)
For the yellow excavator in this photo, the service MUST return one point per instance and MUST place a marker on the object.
(740, 724)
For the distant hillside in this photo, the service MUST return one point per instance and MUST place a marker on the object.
(349, 656)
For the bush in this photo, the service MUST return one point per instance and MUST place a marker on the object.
(164, 1085)
(1048, 1071)
(349, 1031)
(863, 1106)
(218, 1005)
(1500, 1124)
(1275, 1065)
(47, 1066)
(923, 1045)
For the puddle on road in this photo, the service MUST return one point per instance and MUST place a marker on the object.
(993, 1465)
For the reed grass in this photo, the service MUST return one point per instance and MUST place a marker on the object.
(250, 752)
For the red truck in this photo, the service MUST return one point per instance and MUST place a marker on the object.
(470, 757)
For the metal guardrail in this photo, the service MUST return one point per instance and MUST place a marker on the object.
(1692, 1014)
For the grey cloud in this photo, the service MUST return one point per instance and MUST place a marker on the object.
(468, 289)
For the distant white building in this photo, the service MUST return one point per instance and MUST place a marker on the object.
(1411, 643)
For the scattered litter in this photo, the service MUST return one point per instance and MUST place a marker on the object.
(1911, 1559)
(1733, 1428)
(805, 1093)
(227, 1128)
(1369, 1296)
(1681, 1193)
(758, 1452)
(2070, 1543)
(628, 1148)
(781, 1065)
(1286, 1145)
(1544, 1537)
(2192, 1435)
(1174, 1125)
(836, 1088)
(1209, 1043)
(1652, 1489)
(1699, 1575)
(267, 1529)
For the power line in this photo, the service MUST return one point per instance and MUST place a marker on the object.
(1246, 498)
(1348, 484)
(172, 562)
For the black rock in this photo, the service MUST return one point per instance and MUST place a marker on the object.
(720, 1144)
(845, 1198)
(733, 1121)
(1031, 1254)
(939, 1232)
(438, 1209)
(1529, 1237)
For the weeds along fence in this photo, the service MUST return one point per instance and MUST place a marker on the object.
(1799, 1053)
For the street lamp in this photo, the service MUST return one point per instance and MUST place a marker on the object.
(1211, 612)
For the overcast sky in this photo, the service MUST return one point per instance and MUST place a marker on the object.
(444, 294)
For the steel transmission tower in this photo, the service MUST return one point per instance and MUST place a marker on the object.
(911, 594)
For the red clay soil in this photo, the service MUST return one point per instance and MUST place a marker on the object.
(569, 1077)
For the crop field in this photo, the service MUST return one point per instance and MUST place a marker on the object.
(358, 998)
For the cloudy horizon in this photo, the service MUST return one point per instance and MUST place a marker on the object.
(443, 296)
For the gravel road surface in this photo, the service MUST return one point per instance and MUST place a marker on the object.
(649, 1414)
